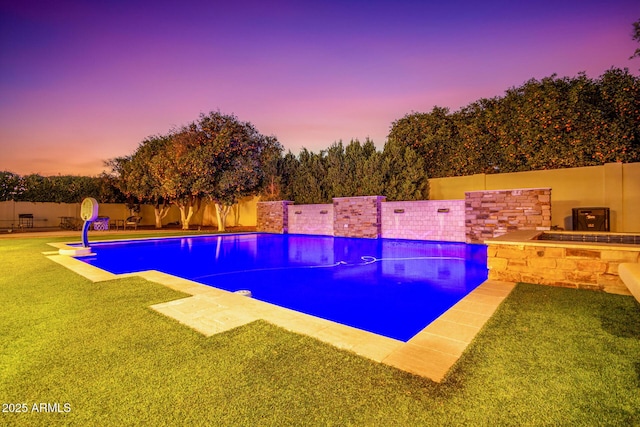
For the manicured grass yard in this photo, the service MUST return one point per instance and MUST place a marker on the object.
(550, 356)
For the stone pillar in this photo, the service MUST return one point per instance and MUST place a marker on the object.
(273, 217)
(358, 216)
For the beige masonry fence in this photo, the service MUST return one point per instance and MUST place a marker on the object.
(613, 185)
(48, 215)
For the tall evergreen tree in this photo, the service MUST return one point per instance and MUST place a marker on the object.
(404, 173)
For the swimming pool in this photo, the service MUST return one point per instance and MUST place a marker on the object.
(389, 287)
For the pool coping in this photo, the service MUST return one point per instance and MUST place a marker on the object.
(431, 353)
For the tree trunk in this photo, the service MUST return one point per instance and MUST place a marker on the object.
(187, 210)
(236, 214)
(221, 215)
(161, 211)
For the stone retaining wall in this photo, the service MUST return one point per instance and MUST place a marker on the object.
(570, 265)
(491, 214)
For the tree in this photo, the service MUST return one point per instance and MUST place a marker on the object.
(309, 184)
(542, 124)
(287, 169)
(228, 160)
(57, 189)
(272, 161)
(367, 166)
(338, 177)
(217, 158)
(432, 135)
(478, 150)
(363, 172)
(404, 173)
(570, 122)
(636, 36)
(107, 190)
(353, 170)
(176, 170)
(618, 133)
(37, 188)
(10, 186)
(136, 177)
(537, 124)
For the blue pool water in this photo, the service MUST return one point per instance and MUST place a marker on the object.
(389, 287)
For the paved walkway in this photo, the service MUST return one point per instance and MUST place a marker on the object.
(431, 353)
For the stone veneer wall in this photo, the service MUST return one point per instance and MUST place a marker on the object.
(272, 217)
(442, 220)
(493, 213)
(311, 219)
(482, 215)
(575, 266)
(357, 216)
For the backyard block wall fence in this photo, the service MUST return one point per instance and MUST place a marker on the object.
(481, 215)
(613, 185)
(47, 215)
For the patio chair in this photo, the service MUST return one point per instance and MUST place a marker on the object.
(132, 221)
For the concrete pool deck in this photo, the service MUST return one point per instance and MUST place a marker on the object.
(430, 353)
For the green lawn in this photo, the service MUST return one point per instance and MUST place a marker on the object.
(549, 356)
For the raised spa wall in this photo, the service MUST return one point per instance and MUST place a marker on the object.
(519, 257)
(481, 215)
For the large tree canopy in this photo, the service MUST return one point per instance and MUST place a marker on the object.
(216, 158)
(10, 186)
(136, 177)
(543, 124)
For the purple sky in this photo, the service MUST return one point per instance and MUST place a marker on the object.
(85, 81)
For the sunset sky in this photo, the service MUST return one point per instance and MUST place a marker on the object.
(85, 81)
